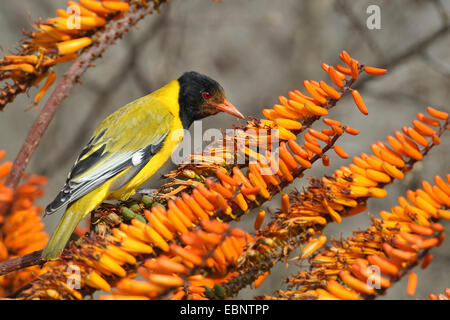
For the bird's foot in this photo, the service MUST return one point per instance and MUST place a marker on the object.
(147, 191)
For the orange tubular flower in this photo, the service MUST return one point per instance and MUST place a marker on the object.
(437, 114)
(287, 156)
(375, 71)
(345, 57)
(344, 69)
(259, 219)
(333, 93)
(312, 246)
(355, 283)
(340, 152)
(341, 292)
(25, 67)
(354, 69)
(285, 203)
(95, 6)
(116, 5)
(359, 102)
(314, 109)
(260, 279)
(72, 46)
(48, 83)
(313, 92)
(351, 131)
(412, 284)
(427, 120)
(335, 77)
(288, 124)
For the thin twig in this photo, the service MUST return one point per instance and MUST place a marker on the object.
(438, 65)
(413, 50)
(440, 8)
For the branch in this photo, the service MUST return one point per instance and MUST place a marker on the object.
(438, 65)
(18, 263)
(414, 49)
(104, 39)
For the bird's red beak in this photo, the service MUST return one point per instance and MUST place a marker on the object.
(227, 107)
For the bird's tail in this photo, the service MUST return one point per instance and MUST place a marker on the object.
(75, 212)
(61, 235)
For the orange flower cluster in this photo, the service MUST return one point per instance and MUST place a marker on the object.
(21, 231)
(347, 189)
(344, 193)
(185, 271)
(320, 97)
(87, 267)
(391, 246)
(102, 260)
(368, 173)
(56, 40)
(96, 260)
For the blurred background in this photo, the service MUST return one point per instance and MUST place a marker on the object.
(258, 50)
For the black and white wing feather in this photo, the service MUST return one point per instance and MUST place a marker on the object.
(119, 144)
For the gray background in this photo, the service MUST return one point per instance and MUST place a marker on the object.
(258, 50)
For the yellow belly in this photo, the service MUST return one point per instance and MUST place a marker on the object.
(155, 163)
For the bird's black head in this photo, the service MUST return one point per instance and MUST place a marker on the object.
(200, 97)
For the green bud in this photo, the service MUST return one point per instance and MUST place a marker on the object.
(140, 218)
(219, 291)
(127, 213)
(135, 207)
(147, 200)
(209, 293)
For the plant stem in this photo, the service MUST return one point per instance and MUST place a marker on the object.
(18, 263)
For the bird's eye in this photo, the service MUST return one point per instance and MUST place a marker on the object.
(206, 95)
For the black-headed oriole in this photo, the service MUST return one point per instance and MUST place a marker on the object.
(129, 146)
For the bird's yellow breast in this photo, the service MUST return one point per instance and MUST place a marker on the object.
(168, 97)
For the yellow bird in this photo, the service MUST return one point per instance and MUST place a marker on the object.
(129, 146)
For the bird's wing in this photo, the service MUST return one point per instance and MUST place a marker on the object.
(127, 139)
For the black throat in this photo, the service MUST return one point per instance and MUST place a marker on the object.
(188, 108)
(187, 113)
